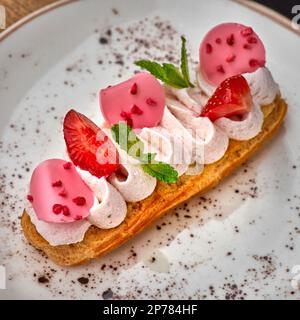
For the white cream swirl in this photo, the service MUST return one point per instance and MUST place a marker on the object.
(131, 180)
(59, 233)
(134, 184)
(210, 143)
(168, 148)
(263, 90)
(192, 98)
(109, 209)
(262, 85)
(244, 129)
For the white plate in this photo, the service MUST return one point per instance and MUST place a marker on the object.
(240, 241)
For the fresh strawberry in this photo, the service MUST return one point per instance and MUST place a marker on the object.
(88, 146)
(231, 98)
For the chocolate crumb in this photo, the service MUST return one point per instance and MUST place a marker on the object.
(115, 11)
(43, 279)
(103, 40)
(107, 294)
(83, 280)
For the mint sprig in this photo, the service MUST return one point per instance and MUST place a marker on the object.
(184, 63)
(161, 171)
(128, 141)
(167, 72)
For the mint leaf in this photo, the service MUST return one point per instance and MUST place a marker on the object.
(128, 141)
(167, 72)
(154, 68)
(162, 171)
(184, 63)
(147, 157)
(174, 76)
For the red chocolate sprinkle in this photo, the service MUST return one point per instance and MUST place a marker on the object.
(247, 32)
(80, 201)
(252, 40)
(136, 110)
(209, 48)
(63, 193)
(220, 69)
(151, 102)
(67, 165)
(218, 41)
(127, 117)
(124, 115)
(230, 40)
(30, 198)
(66, 211)
(57, 183)
(57, 208)
(247, 46)
(133, 89)
(129, 122)
(254, 63)
(230, 58)
(78, 217)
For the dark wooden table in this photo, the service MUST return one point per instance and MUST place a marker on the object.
(17, 9)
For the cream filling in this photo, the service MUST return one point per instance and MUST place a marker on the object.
(168, 149)
(59, 233)
(109, 209)
(132, 181)
(262, 85)
(192, 98)
(210, 143)
(263, 90)
(245, 129)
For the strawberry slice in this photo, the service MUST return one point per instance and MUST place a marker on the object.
(231, 99)
(88, 146)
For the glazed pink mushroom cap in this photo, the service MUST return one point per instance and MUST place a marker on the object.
(230, 49)
(58, 194)
(140, 101)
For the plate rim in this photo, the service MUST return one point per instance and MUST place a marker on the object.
(254, 6)
(49, 7)
(269, 13)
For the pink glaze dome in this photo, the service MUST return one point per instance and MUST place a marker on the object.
(58, 194)
(140, 101)
(230, 49)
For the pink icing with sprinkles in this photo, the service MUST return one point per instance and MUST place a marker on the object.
(230, 49)
(133, 101)
(55, 204)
